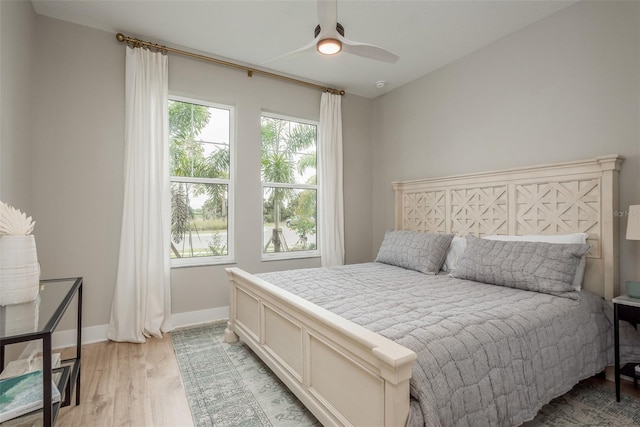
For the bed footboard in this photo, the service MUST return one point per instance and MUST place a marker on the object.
(343, 373)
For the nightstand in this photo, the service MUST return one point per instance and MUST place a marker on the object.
(624, 308)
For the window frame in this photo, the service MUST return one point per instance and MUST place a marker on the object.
(229, 258)
(313, 253)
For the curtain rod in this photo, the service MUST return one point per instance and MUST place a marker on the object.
(133, 42)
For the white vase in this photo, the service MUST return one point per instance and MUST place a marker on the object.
(19, 270)
(18, 319)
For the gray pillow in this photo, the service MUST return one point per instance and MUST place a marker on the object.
(532, 266)
(414, 250)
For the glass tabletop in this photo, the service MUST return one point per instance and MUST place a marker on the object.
(42, 314)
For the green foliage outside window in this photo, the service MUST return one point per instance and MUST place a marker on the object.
(189, 159)
(288, 156)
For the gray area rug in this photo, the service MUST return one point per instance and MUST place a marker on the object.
(589, 405)
(227, 385)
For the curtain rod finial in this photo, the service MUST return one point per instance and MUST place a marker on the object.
(120, 37)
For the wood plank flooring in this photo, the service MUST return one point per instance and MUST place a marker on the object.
(126, 384)
(139, 385)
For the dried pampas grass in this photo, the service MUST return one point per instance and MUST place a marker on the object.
(13, 222)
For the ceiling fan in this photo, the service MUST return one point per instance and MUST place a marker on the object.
(329, 38)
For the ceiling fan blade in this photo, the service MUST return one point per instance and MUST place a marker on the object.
(311, 45)
(328, 28)
(328, 18)
(368, 51)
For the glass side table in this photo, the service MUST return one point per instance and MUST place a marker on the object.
(37, 321)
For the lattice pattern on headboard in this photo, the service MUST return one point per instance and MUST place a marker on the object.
(573, 197)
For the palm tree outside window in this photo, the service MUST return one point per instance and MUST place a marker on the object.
(200, 150)
(289, 184)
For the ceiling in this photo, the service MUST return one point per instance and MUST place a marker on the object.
(426, 34)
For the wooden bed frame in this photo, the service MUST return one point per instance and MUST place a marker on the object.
(347, 375)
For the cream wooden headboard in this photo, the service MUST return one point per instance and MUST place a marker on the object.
(561, 198)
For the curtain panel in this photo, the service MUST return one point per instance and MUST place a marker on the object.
(141, 303)
(331, 230)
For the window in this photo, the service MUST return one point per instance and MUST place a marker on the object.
(289, 187)
(200, 163)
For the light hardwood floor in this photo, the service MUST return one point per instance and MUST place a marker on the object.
(126, 384)
(139, 385)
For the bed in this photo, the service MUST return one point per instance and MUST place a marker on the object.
(351, 366)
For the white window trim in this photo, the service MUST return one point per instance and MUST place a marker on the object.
(231, 184)
(315, 253)
(279, 256)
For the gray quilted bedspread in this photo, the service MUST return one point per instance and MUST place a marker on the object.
(487, 355)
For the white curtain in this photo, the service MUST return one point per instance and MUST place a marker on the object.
(331, 230)
(142, 301)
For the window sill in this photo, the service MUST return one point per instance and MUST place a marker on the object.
(204, 262)
(283, 256)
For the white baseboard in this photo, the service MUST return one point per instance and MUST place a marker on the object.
(193, 318)
(90, 334)
(93, 334)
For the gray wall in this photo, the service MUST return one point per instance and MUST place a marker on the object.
(358, 173)
(78, 149)
(17, 26)
(564, 88)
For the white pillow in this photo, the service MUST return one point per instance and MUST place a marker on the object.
(454, 253)
(558, 238)
(550, 238)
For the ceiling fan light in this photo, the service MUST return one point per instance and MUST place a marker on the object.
(329, 46)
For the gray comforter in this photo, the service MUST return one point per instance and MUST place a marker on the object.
(487, 355)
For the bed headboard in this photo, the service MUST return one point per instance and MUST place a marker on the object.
(560, 198)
